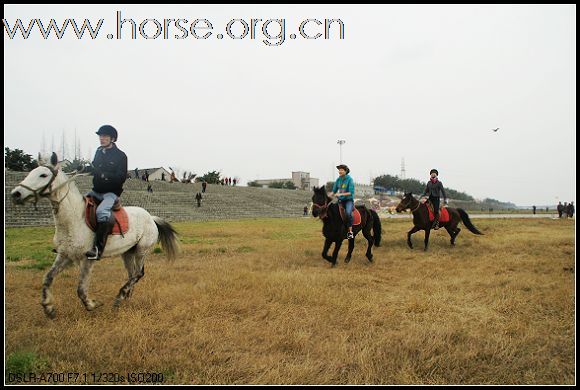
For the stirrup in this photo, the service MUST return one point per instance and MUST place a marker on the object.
(93, 254)
(350, 235)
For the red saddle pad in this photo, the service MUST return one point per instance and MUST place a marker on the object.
(443, 214)
(356, 218)
(121, 217)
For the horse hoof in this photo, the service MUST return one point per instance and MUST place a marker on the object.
(370, 258)
(347, 260)
(333, 265)
(93, 305)
(50, 314)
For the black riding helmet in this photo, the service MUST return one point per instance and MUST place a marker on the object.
(434, 170)
(108, 130)
(343, 167)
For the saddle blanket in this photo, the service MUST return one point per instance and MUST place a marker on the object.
(443, 214)
(121, 217)
(356, 218)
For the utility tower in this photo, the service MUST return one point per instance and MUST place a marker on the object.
(403, 175)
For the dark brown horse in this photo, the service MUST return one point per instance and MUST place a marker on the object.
(422, 222)
(334, 228)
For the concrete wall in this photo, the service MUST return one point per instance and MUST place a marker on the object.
(174, 201)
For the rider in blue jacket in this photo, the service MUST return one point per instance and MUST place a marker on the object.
(344, 190)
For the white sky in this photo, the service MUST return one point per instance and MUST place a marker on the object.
(426, 83)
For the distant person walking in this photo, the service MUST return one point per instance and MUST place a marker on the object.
(569, 210)
(203, 186)
(198, 198)
(162, 176)
(305, 211)
(534, 209)
(565, 210)
(560, 209)
(136, 173)
(146, 175)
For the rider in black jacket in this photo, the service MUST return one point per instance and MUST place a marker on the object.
(435, 190)
(109, 173)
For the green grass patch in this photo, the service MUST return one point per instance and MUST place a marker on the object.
(23, 362)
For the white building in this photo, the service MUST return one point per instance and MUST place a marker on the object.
(301, 180)
(154, 173)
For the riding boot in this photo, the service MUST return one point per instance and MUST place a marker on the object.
(101, 235)
(436, 222)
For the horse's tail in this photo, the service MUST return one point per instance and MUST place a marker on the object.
(168, 238)
(467, 222)
(377, 228)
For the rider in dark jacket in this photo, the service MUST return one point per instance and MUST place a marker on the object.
(434, 191)
(109, 173)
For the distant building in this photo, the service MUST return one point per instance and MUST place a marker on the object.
(301, 180)
(362, 190)
(154, 173)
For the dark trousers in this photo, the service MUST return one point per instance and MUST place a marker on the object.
(435, 202)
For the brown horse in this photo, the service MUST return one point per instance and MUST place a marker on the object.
(422, 222)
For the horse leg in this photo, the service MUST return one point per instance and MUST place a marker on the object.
(427, 233)
(47, 302)
(337, 246)
(414, 230)
(83, 288)
(457, 230)
(451, 233)
(371, 241)
(350, 249)
(135, 265)
(327, 244)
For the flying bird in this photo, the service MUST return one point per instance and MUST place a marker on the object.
(495, 130)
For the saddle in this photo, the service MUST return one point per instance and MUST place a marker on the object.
(120, 215)
(443, 213)
(356, 218)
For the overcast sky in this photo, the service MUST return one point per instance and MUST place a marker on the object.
(426, 83)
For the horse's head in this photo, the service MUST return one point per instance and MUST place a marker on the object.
(320, 201)
(405, 202)
(37, 183)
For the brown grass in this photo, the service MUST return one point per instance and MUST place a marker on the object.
(253, 302)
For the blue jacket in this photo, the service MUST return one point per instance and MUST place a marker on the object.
(345, 184)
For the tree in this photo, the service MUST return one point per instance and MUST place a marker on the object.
(415, 186)
(76, 165)
(212, 177)
(254, 184)
(17, 160)
(288, 185)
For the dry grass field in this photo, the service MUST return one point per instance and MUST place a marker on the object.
(253, 302)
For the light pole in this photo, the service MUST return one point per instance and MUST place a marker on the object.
(340, 142)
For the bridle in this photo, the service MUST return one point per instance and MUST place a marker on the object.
(323, 208)
(416, 208)
(40, 192)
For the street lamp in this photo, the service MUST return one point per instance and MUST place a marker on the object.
(340, 142)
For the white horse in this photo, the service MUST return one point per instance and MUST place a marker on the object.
(73, 237)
